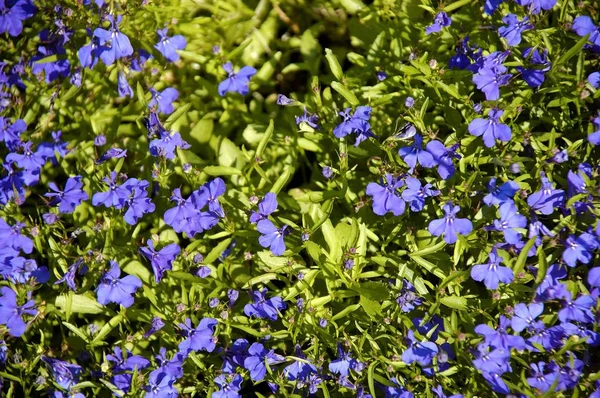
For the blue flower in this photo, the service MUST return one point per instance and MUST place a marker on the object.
(162, 260)
(357, 123)
(69, 277)
(512, 32)
(440, 21)
(272, 237)
(200, 338)
(114, 44)
(299, 370)
(344, 363)
(234, 356)
(443, 157)
(500, 338)
(70, 198)
(578, 310)
(500, 194)
(10, 236)
(236, 82)
(420, 352)
(65, 374)
(547, 198)
(536, 6)
(550, 284)
(90, 53)
(121, 365)
(111, 289)
(10, 132)
(492, 273)
(264, 308)
(163, 100)
(258, 357)
(114, 196)
(524, 316)
(540, 380)
(489, 79)
(160, 385)
(228, 389)
(579, 248)
(594, 138)
(267, 206)
(177, 217)
(13, 14)
(137, 204)
(48, 150)
(490, 6)
(166, 144)
(415, 194)
(309, 119)
(492, 361)
(594, 79)
(11, 314)
(509, 220)
(535, 77)
(123, 86)
(28, 160)
(155, 326)
(438, 390)
(386, 197)
(408, 298)
(416, 154)
(491, 129)
(168, 46)
(112, 153)
(450, 226)
(209, 194)
(583, 25)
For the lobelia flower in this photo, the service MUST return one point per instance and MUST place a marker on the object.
(536, 6)
(408, 298)
(357, 123)
(344, 363)
(385, 196)
(48, 150)
(90, 53)
(69, 277)
(593, 277)
(13, 14)
(172, 367)
(264, 308)
(111, 289)
(496, 383)
(113, 43)
(165, 145)
(162, 260)
(236, 82)
(443, 157)
(578, 310)
(286, 101)
(547, 338)
(123, 86)
(160, 385)
(137, 63)
(440, 21)
(541, 381)
(490, 77)
(381, 75)
(10, 236)
(548, 287)
(112, 153)
(163, 100)
(583, 25)
(65, 374)
(266, 206)
(299, 370)
(155, 326)
(415, 194)
(416, 154)
(200, 338)
(510, 219)
(234, 356)
(409, 102)
(547, 198)
(131, 363)
(594, 138)
(209, 194)
(491, 129)
(272, 237)
(559, 157)
(70, 198)
(168, 46)
(524, 316)
(440, 393)
(309, 119)
(492, 273)
(137, 202)
(28, 160)
(512, 32)
(500, 338)
(228, 389)
(570, 374)
(579, 248)
(594, 79)
(420, 352)
(490, 6)
(11, 314)
(24, 270)
(52, 69)
(255, 361)
(450, 226)
(494, 361)
(10, 132)
(535, 77)
(177, 217)
(500, 194)
(396, 391)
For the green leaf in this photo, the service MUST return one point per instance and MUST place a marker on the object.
(107, 328)
(80, 304)
(345, 311)
(217, 250)
(283, 179)
(141, 95)
(456, 5)
(455, 302)
(216, 171)
(372, 308)
(520, 263)
(430, 267)
(372, 290)
(344, 92)
(176, 115)
(265, 139)
(371, 378)
(334, 64)
(572, 51)
(77, 331)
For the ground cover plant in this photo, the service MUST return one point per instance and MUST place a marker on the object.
(329, 198)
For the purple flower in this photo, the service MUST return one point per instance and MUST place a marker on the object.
(492, 273)
(500, 194)
(386, 197)
(578, 310)
(89, 54)
(65, 374)
(500, 338)
(267, 206)
(123, 86)
(10, 236)
(69, 277)
(443, 157)
(155, 326)
(258, 357)
(70, 198)
(512, 32)
(131, 363)
(115, 195)
(113, 43)
(10, 132)
(491, 129)
(524, 316)
(510, 219)
(236, 82)
(24, 270)
(264, 308)
(550, 284)
(547, 198)
(381, 75)
(583, 25)
(309, 119)
(579, 248)
(490, 6)
(177, 216)
(416, 154)
(272, 237)
(489, 79)
(137, 202)
(165, 145)
(48, 150)
(163, 100)
(111, 289)
(160, 385)
(409, 102)
(228, 389)
(200, 338)
(408, 298)
(299, 370)
(285, 101)
(168, 46)
(415, 194)
(357, 123)
(162, 260)
(594, 138)
(420, 352)
(535, 77)
(593, 277)
(235, 356)
(536, 6)
(11, 314)
(13, 14)
(540, 380)
(112, 153)
(450, 226)
(492, 361)
(209, 194)
(28, 160)
(52, 69)
(344, 363)
(440, 21)
(594, 79)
